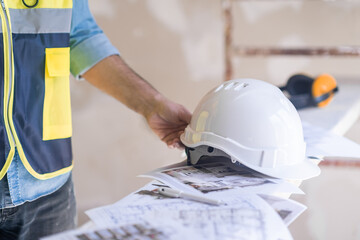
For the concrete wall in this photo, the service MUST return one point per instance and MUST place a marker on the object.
(177, 45)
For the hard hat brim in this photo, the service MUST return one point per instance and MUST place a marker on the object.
(306, 170)
(303, 170)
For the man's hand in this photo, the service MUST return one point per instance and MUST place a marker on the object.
(166, 118)
(168, 122)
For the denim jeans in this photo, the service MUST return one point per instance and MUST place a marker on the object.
(45, 216)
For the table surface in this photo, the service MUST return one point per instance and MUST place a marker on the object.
(340, 114)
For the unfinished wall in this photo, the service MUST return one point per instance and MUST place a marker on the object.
(177, 45)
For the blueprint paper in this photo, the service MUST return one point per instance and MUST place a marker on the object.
(217, 176)
(127, 232)
(287, 209)
(321, 143)
(246, 216)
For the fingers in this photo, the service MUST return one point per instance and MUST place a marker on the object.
(185, 115)
(176, 144)
(170, 123)
(172, 140)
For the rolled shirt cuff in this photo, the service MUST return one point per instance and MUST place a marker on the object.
(89, 52)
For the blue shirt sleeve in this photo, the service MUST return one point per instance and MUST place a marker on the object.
(88, 43)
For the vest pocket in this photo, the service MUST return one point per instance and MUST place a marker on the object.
(57, 109)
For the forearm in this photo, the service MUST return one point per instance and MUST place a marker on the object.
(113, 76)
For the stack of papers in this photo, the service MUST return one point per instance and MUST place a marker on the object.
(220, 177)
(251, 209)
(334, 149)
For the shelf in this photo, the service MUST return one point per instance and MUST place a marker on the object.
(340, 51)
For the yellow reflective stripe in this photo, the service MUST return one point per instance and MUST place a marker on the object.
(45, 175)
(7, 163)
(32, 171)
(18, 4)
(6, 47)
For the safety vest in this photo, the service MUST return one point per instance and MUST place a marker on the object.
(35, 114)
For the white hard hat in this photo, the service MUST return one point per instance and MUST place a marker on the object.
(254, 124)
